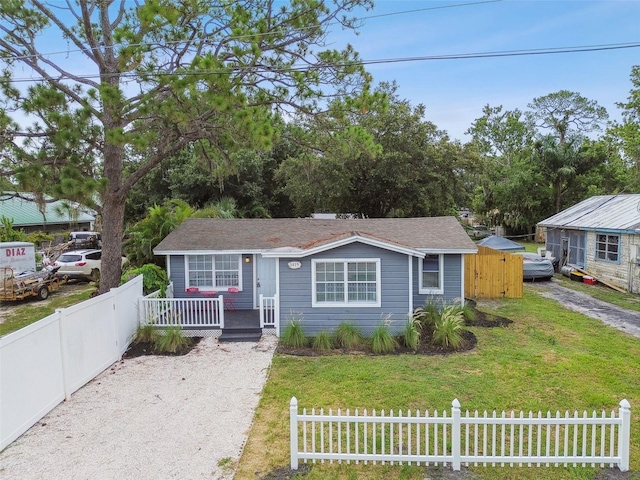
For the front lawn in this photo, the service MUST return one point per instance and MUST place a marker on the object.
(550, 358)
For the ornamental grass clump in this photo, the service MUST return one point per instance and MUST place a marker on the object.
(427, 315)
(147, 333)
(293, 335)
(382, 341)
(411, 334)
(322, 342)
(348, 336)
(449, 329)
(171, 340)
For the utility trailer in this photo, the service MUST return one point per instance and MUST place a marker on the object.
(33, 284)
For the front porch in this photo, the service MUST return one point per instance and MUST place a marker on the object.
(207, 317)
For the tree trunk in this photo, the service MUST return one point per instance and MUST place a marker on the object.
(112, 214)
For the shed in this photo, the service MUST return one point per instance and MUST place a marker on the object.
(600, 235)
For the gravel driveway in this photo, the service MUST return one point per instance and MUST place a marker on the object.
(150, 418)
(626, 320)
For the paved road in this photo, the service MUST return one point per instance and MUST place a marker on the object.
(626, 320)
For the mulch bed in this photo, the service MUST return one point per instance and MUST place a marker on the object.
(141, 349)
(426, 347)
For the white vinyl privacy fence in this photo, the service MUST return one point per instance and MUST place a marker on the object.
(44, 363)
(596, 439)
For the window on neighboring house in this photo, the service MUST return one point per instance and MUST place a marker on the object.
(607, 247)
(431, 274)
(213, 271)
(346, 282)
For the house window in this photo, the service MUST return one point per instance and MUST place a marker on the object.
(607, 247)
(431, 280)
(213, 271)
(346, 282)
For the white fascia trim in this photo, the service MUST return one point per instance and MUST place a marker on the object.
(339, 243)
(452, 251)
(206, 252)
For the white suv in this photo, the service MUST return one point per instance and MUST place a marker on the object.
(80, 264)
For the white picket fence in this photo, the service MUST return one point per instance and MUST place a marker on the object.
(456, 439)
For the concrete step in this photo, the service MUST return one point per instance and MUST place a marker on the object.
(240, 335)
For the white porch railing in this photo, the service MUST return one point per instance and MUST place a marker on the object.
(424, 439)
(185, 312)
(269, 313)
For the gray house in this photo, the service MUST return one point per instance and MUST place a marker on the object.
(600, 235)
(322, 272)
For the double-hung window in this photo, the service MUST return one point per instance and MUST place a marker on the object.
(354, 283)
(607, 247)
(431, 278)
(213, 272)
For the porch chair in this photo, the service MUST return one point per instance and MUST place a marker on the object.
(230, 298)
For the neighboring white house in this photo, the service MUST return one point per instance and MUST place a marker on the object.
(600, 235)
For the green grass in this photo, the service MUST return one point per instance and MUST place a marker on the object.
(550, 358)
(31, 310)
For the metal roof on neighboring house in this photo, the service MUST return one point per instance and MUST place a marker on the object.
(602, 212)
(295, 235)
(22, 208)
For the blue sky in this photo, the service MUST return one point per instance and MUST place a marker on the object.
(454, 91)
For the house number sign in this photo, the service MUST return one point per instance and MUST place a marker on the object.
(294, 265)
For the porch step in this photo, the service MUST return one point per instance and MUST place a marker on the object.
(240, 335)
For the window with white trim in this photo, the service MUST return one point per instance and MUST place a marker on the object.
(431, 274)
(213, 271)
(346, 282)
(607, 247)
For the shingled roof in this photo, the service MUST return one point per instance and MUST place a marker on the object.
(437, 234)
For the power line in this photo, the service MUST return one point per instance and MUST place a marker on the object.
(458, 56)
(259, 35)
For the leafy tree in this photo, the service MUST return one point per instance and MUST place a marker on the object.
(628, 132)
(500, 135)
(392, 163)
(567, 114)
(10, 234)
(561, 164)
(149, 232)
(159, 76)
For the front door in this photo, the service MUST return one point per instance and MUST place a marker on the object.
(265, 278)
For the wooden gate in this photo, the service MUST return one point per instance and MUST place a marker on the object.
(492, 274)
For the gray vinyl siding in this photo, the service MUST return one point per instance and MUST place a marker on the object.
(453, 265)
(243, 299)
(296, 292)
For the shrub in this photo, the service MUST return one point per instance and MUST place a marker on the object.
(348, 335)
(293, 335)
(147, 333)
(322, 342)
(382, 341)
(412, 334)
(171, 340)
(449, 328)
(153, 278)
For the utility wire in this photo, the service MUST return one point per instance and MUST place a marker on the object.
(259, 35)
(459, 56)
